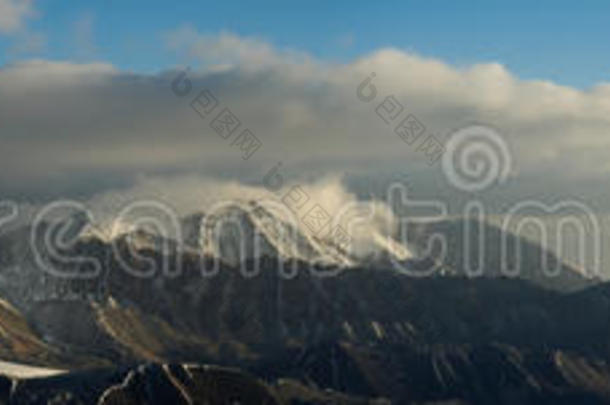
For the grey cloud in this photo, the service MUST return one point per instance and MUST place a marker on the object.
(75, 127)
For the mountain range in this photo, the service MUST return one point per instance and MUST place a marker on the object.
(336, 327)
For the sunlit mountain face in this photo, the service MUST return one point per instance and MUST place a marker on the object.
(322, 203)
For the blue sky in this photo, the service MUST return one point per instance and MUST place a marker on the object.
(566, 42)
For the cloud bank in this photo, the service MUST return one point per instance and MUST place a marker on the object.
(82, 128)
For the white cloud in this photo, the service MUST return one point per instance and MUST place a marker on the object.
(13, 14)
(229, 50)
